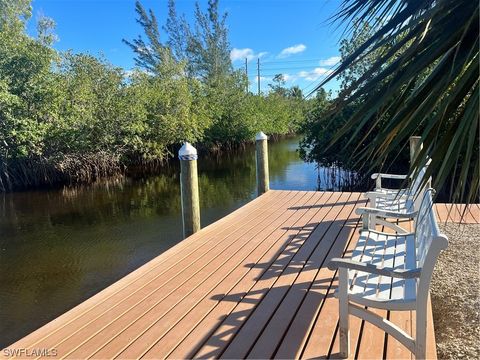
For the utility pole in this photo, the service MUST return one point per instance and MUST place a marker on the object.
(258, 75)
(246, 74)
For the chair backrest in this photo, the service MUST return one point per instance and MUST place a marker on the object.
(415, 190)
(426, 227)
(428, 241)
(418, 180)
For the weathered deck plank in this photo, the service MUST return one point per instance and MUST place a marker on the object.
(253, 284)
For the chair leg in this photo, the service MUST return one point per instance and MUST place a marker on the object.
(344, 317)
(373, 223)
(366, 222)
(421, 335)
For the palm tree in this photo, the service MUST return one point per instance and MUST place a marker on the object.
(425, 82)
(295, 92)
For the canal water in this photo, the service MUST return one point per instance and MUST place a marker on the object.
(60, 247)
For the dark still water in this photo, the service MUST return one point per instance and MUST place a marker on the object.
(59, 247)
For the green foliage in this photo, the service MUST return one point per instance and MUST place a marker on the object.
(278, 85)
(75, 117)
(208, 48)
(46, 30)
(204, 46)
(177, 29)
(360, 32)
(14, 13)
(148, 52)
(90, 106)
(317, 131)
(166, 112)
(27, 90)
(323, 121)
(426, 83)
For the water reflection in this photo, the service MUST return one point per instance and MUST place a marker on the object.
(60, 247)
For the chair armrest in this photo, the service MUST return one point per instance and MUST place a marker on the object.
(379, 176)
(411, 233)
(391, 194)
(389, 176)
(336, 263)
(374, 195)
(383, 213)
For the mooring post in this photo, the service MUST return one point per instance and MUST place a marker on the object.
(415, 147)
(189, 189)
(263, 182)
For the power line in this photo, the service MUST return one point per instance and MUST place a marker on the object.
(270, 72)
(314, 83)
(286, 69)
(253, 74)
(292, 61)
(306, 67)
(293, 67)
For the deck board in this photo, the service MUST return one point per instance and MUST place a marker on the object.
(222, 301)
(458, 213)
(252, 285)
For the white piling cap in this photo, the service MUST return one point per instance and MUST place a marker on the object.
(187, 150)
(261, 136)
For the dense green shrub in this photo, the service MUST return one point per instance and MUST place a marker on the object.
(67, 117)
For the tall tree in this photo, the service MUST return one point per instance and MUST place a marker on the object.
(278, 85)
(149, 51)
(208, 47)
(425, 84)
(205, 48)
(295, 92)
(178, 32)
(46, 31)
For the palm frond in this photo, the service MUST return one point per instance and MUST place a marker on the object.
(425, 82)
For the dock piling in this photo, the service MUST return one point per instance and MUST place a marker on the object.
(189, 189)
(261, 144)
(415, 147)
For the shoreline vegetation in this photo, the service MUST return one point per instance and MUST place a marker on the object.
(41, 173)
(69, 118)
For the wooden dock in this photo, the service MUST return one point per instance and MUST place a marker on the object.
(253, 284)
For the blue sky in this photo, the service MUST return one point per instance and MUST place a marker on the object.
(290, 37)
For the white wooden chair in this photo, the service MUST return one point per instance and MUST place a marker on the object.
(396, 203)
(391, 272)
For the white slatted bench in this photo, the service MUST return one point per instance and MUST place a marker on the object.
(397, 203)
(391, 272)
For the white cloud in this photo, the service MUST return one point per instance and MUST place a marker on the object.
(289, 77)
(247, 53)
(263, 79)
(295, 49)
(333, 60)
(314, 74)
